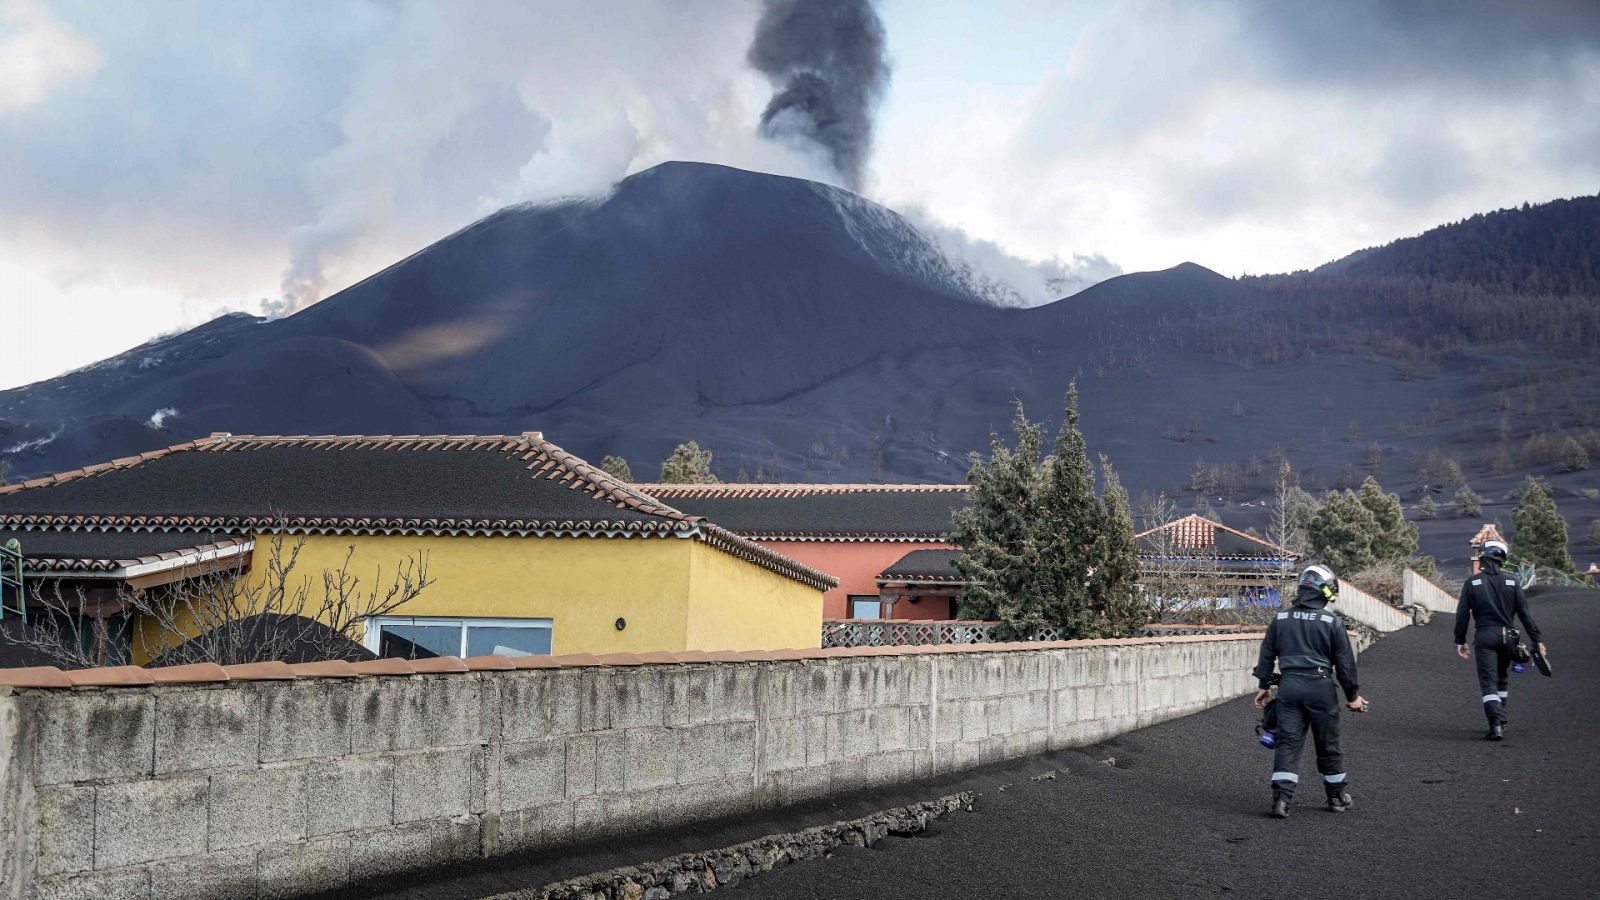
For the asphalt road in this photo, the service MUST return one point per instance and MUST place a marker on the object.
(1439, 811)
(1178, 809)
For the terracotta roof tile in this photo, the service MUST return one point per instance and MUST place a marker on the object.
(195, 673)
(110, 676)
(387, 665)
(440, 665)
(34, 676)
(329, 668)
(261, 671)
(620, 659)
(576, 659)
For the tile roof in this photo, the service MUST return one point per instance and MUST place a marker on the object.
(363, 484)
(1198, 536)
(925, 567)
(821, 512)
(113, 553)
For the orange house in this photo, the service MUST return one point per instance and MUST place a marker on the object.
(866, 535)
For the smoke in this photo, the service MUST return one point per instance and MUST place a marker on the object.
(826, 60)
(1002, 279)
(158, 419)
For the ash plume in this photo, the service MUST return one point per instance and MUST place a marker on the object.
(825, 58)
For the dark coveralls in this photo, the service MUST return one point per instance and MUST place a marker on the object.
(1311, 649)
(1493, 598)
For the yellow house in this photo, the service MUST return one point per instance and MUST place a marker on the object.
(527, 548)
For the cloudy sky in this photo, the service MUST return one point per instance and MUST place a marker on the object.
(163, 162)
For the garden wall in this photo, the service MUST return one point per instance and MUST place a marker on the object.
(283, 780)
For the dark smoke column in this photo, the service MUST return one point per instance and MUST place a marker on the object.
(826, 59)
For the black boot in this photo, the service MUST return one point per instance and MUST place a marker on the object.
(1339, 799)
(1280, 805)
(1496, 732)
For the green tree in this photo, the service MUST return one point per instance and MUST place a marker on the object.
(1041, 549)
(1115, 582)
(1342, 531)
(1594, 533)
(995, 530)
(1539, 534)
(1426, 508)
(617, 468)
(1573, 457)
(1395, 539)
(1467, 503)
(688, 464)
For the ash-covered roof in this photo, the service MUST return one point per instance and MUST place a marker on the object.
(362, 484)
(1196, 537)
(924, 567)
(57, 550)
(821, 512)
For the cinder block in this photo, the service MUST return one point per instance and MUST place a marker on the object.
(581, 765)
(795, 785)
(639, 697)
(596, 700)
(594, 817)
(142, 821)
(785, 745)
(651, 758)
(230, 875)
(537, 827)
(538, 704)
(532, 773)
(350, 793)
(432, 785)
(66, 830)
(413, 846)
(300, 721)
(722, 693)
(259, 806)
(719, 751)
(610, 762)
(418, 712)
(124, 885)
(295, 870)
(90, 735)
(207, 728)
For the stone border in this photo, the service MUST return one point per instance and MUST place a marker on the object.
(702, 873)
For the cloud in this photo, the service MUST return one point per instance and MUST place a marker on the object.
(39, 53)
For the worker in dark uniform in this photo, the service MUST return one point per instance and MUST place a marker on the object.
(1493, 599)
(1312, 651)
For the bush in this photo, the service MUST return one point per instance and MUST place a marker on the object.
(1539, 533)
(1427, 509)
(1573, 457)
(1594, 533)
(1467, 503)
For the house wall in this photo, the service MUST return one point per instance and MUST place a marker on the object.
(738, 606)
(278, 788)
(855, 563)
(583, 584)
(925, 609)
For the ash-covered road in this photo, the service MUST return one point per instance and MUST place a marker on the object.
(1439, 811)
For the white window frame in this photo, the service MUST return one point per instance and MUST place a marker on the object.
(866, 598)
(373, 639)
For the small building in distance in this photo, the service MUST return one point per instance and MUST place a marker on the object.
(1248, 568)
(865, 535)
(530, 549)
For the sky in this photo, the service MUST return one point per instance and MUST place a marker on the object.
(165, 162)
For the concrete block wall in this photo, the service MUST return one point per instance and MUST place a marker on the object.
(276, 788)
(1362, 607)
(1421, 592)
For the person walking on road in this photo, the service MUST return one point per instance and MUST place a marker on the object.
(1311, 650)
(1493, 599)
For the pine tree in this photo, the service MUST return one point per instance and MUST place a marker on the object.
(1594, 533)
(1069, 525)
(995, 530)
(617, 468)
(688, 464)
(1115, 582)
(1539, 534)
(1341, 533)
(1467, 503)
(1427, 509)
(1395, 539)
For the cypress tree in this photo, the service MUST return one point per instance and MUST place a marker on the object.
(1342, 531)
(1395, 539)
(995, 529)
(1069, 525)
(1115, 583)
(1539, 534)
